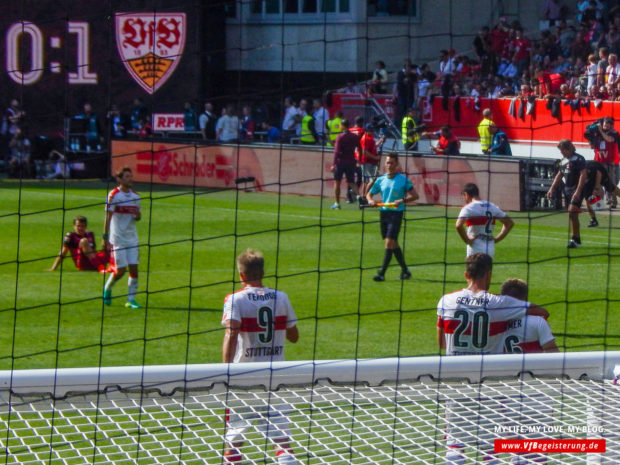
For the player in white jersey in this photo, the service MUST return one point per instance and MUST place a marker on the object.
(258, 320)
(526, 335)
(472, 321)
(119, 228)
(479, 216)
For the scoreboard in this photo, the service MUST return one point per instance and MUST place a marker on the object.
(58, 55)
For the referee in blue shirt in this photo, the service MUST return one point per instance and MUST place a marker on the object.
(395, 188)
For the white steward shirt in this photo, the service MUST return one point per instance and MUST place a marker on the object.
(474, 323)
(124, 206)
(265, 314)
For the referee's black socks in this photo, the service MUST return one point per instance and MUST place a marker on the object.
(398, 253)
(387, 257)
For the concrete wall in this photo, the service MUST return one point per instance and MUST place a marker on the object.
(352, 42)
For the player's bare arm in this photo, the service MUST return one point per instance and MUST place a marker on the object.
(229, 346)
(369, 198)
(537, 310)
(554, 184)
(292, 334)
(550, 346)
(460, 229)
(412, 196)
(441, 340)
(105, 237)
(138, 215)
(61, 255)
(507, 225)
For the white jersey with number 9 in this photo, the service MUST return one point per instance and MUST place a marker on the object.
(265, 314)
(474, 323)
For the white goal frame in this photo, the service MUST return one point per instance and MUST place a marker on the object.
(390, 410)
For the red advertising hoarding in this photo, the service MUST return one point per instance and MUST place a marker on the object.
(307, 171)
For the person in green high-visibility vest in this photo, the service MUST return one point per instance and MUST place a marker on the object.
(483, 130)
(334, 128)
(409, 131)
(308, 132)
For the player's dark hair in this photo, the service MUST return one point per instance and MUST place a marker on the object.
(359, 121)
(471, 189)
(119, 173)
(80, 219)
(251, 264)
(393, 155)
(516, 288)
(566, 144)
(478, 265)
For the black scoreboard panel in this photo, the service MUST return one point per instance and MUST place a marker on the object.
(59, 54)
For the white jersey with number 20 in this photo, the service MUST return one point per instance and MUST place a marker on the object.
(265, 314)
(474, 323)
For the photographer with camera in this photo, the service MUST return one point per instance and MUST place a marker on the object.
(604, 140)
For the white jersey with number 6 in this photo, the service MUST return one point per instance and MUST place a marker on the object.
(479, 216)
(265, 314)
(474, 323)
(527, 335)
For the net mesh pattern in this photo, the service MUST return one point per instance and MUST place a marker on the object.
(329, 424)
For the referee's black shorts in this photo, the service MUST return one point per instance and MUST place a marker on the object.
(390, 223)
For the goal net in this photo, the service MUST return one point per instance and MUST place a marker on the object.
(394, 410)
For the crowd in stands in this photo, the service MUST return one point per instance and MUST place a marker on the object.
(576, 58)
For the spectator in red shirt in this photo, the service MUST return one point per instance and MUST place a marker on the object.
(549, 84)
(369, 158)
(522, 48)
(448, 143)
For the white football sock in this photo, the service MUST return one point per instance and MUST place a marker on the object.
(132, 284)
(110, 282)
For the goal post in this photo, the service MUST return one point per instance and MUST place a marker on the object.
(392, 410)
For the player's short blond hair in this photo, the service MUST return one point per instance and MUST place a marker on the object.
(516, 288)
(251, 264)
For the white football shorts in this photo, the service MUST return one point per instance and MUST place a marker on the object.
(124, 256)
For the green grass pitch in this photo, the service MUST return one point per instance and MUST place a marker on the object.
(323, 259)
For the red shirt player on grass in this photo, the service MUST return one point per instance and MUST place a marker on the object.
(81, 244)
(119, 228)
(258, 321)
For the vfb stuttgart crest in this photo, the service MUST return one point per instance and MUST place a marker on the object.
(150, 45)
